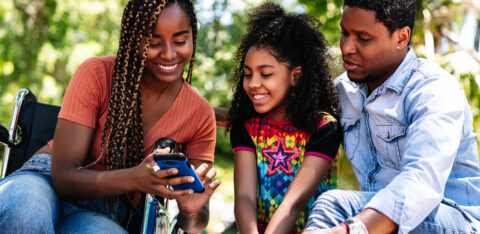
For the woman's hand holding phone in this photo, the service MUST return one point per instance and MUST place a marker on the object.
(150, 179)
(180, 162)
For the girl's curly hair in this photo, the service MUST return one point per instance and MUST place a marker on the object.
(295, 39)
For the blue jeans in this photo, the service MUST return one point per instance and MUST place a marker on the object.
(335, 206)
(28, 204)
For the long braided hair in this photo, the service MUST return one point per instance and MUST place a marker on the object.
(123, 134)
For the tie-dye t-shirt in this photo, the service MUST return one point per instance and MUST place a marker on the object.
(280, 149)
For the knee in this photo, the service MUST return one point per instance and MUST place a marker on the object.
(329, 199)
(325, 211)
(21, 216)
(345, 202)
(29, 190)
(27, 203)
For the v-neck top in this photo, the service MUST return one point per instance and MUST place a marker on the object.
(190, 119)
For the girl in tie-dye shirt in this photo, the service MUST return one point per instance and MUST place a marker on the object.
(283, 130)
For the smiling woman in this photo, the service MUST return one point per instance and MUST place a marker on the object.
(114, 110)
(170, 47)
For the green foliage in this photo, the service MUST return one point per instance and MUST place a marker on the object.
(217, 43)
(42, 42)
(329, 12)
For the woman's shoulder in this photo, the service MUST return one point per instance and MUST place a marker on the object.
(192, 98)
(106, 62)
(94, 79)
(98, 68)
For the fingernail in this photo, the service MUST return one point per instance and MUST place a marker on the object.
(212, 185)
(190, 191)
(191, 179)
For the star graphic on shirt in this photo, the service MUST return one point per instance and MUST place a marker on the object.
(280, 158)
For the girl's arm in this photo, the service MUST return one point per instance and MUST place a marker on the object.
(245, 185)
(302, 188)
(70, 181)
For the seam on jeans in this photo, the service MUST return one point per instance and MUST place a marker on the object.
(467, 216)
(469, 196)
(40, 159)
(426, 223)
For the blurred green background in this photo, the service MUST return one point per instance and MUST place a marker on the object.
(43, 41)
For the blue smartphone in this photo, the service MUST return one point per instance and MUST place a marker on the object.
(179, 161)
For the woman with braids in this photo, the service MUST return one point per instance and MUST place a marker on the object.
(283, 130)
(114, 110)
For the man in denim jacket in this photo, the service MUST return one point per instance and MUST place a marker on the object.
(407, 132)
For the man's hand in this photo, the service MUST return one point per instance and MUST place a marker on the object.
(334, 230)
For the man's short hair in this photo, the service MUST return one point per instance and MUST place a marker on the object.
(394, 14)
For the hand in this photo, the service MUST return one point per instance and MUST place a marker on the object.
(334, 230)
(191, 204)
(148, 178)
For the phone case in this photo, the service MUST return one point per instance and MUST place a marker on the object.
(179, 161)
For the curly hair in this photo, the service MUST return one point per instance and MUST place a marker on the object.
(394, 14)
(295, 39)
(122, 138)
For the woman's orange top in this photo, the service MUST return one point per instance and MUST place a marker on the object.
(190, 120)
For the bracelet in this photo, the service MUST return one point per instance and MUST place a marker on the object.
(347, 228)
(356, 226)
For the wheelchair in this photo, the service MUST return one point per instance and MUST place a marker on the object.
(32, 126)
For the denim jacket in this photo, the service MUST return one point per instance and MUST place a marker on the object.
(411, 140)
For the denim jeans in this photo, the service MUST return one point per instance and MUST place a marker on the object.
(335, 206)
(28, 204)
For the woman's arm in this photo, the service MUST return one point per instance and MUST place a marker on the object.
(245, 184)
(71, 147)
(302, 188)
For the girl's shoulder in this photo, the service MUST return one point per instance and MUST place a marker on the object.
(326, 119)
